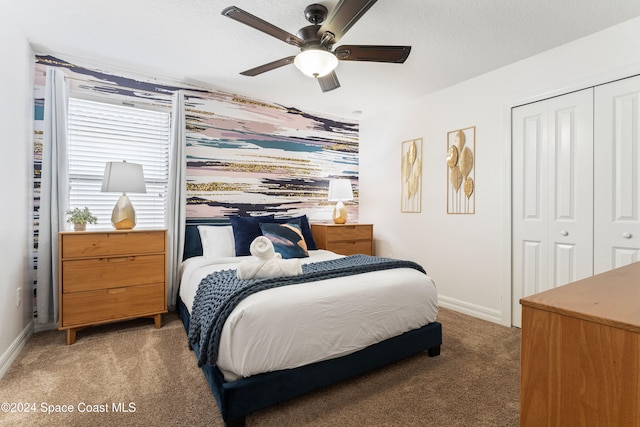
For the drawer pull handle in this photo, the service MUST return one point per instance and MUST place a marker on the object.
(121, 259)
(117, 235)
(116, 291)
(627, 235)
(564, 233)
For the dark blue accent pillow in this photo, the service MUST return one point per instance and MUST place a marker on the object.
(287, 239)
(245, 229)
(192, 243)
(306, 230)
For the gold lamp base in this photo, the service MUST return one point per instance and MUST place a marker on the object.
(340, 213)
(123, 216)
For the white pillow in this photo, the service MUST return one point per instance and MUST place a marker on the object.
(217, 241)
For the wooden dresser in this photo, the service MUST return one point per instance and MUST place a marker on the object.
(580, 360)
(111, 275)
(345, 239)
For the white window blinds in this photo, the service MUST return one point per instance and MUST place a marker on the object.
(99, 132)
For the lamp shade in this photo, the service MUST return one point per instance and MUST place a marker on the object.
(316, 62)
(123, 177)
(340, 190)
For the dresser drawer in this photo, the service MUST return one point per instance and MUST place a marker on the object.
(111, 272)
(349, 232)
(75, 245)
(103, 305)
(351, 248)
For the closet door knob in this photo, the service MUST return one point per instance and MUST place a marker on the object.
(564, 232)
(627, 235)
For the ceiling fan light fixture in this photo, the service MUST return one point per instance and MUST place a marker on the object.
(316, 62)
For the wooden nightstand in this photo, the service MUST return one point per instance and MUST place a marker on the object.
(111, 275)
(345, 239)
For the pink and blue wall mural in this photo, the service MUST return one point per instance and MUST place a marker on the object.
(249, 157)
(244, 156)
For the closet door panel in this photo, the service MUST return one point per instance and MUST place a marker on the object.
(571, 187)
(531, 267)
(565, 259)
(616, 178)
(529, 203)
(552, 194)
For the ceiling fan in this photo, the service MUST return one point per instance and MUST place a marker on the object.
(317, 57)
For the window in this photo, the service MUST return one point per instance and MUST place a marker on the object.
(100, 132)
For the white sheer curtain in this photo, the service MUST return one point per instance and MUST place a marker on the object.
(54, 193)
(176, 203)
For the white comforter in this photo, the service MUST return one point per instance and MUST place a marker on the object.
(296, 325)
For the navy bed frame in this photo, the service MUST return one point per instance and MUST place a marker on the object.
(238, 398)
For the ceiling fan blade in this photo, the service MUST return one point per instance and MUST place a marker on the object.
(268, 67)
(395, 54)
(329, 82)
(343, 16)
(246, 18)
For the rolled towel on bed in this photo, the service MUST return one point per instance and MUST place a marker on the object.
(264, 269)
(262, 248)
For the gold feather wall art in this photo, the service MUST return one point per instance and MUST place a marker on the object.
(461, 147)
(411, 179)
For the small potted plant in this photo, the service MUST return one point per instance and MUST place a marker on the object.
(80, 218)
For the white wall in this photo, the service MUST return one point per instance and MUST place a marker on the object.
(16, 136)
(469, 255)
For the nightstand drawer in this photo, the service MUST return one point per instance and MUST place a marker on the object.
(349, 239)
(351, 248)
(111, 243)
(349, 232)
(111, 272)
(89, 307)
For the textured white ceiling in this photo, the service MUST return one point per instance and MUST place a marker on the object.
(190, 41)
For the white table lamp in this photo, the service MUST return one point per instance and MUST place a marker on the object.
(340, 191)
(123, 177)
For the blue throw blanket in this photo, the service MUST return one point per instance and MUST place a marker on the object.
(220, 292)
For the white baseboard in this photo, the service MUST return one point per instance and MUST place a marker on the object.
(14, 349)
(480, 312)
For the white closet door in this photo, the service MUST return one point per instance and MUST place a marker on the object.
(616, 176)
(529, 202)
(552, 200)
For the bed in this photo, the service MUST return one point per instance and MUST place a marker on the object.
(287, 341)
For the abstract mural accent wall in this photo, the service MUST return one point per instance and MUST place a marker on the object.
(244, 156)
(249, 157)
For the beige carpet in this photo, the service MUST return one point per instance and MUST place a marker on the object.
(474, 382)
